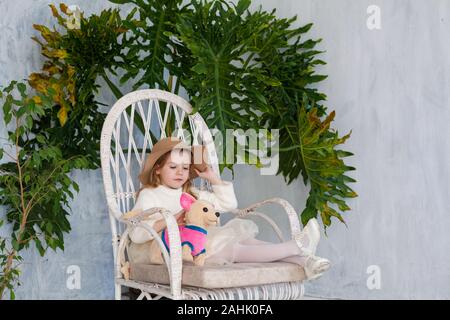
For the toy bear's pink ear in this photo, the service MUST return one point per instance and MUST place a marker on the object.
(186, 200)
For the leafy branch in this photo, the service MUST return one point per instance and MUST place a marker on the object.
(33, 183)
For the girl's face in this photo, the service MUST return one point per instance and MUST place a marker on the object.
(175, 172)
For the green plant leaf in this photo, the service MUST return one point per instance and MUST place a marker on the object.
(242, 6)
(320, 165)
(22, 89)
(156, 22)
(217, 36)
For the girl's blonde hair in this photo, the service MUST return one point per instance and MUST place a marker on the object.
(153, 180)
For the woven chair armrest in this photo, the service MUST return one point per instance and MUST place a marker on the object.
(288, 208)
(133, 217)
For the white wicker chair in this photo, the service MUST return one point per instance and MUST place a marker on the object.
(119, 152)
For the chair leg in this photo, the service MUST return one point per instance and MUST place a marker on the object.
(301, 295)
(118, 292)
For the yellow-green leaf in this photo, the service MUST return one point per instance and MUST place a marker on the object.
(37, 100)
(62, 116)
(54, 11)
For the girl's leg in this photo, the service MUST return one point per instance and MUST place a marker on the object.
(261, 251)
(314, 266)
(254, 250)
(254, 241)
(308, 240)
(264, 252)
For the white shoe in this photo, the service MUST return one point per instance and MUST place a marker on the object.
(309, 237)
(315, 267)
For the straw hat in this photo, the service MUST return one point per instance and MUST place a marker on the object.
(199, 157)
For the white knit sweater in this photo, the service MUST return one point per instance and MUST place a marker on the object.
(222, 197)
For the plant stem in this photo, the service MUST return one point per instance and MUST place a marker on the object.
(6, 272)
(25, 211)
(117, 93)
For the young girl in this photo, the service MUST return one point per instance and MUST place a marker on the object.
(168, 172)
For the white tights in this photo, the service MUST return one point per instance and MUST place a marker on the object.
(254, 250)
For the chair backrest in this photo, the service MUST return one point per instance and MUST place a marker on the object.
(135, 122)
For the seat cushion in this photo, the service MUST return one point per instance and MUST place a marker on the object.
(227, 276)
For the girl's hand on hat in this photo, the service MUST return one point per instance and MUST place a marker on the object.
(209, 175)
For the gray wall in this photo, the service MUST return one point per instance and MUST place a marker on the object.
(389, 86)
